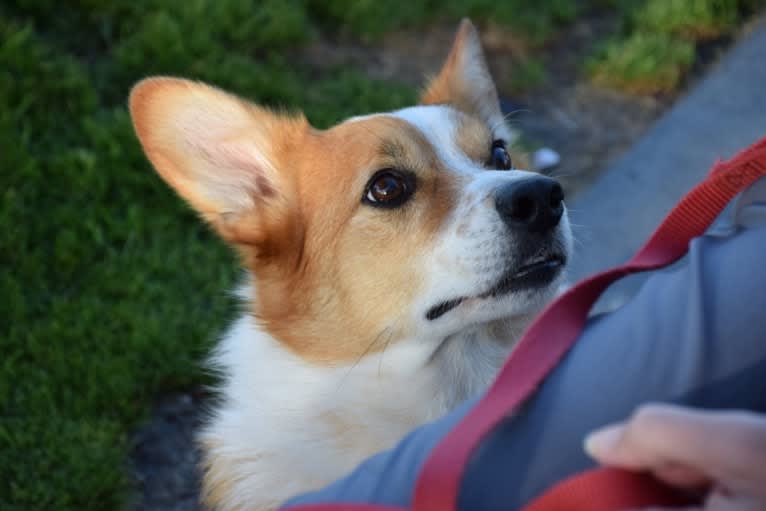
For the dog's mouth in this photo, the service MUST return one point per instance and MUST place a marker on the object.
(535, 273)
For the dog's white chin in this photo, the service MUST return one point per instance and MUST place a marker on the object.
(482, 333)
(517, 304)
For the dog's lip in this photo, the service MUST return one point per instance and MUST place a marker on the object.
(536, 272)
(443, 308)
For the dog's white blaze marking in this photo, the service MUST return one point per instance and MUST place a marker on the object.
(438, 125)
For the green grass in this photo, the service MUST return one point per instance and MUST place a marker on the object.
(370, 19)
(528, 74)
(658, 45)
(643, 64)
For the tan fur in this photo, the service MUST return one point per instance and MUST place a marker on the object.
(468, 87)
(474, 138)
(464, 81)
(220, 481)
(318, 307)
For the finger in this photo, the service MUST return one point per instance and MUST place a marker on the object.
(729, 447)
(670, 509)
(608, 447)
(718, 501)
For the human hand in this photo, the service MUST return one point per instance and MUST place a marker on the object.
(722, 452)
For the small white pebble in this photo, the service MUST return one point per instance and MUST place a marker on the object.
(545, 158)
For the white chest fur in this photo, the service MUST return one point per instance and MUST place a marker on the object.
(285, 426)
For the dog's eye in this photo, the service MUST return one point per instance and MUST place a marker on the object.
(499, 158)
(389, 189)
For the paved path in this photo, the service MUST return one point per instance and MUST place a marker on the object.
(723, 114)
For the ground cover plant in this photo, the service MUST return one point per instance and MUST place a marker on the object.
(660, 41)
(111, 290)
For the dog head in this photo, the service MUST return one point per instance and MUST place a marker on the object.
(386, 229)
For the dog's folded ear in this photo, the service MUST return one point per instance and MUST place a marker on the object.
(215, 149)
(464, 80)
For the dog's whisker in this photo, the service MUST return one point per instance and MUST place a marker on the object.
(375, 134)
(512, 113)
(376, 340)
(558, 174)
(506, 118)
(389, 337)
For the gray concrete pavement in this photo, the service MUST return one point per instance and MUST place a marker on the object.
(724, 113)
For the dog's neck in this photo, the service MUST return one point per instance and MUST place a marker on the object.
(461, 366)
(468, 360)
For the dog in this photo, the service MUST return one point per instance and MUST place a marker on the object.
(393, 261)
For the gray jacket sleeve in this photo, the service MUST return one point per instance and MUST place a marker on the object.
(694, 334)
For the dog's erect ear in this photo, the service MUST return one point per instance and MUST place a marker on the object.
(464, 81)
(214, 149)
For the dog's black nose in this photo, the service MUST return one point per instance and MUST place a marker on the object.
(534, 204)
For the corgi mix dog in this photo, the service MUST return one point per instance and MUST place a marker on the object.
(393, 261)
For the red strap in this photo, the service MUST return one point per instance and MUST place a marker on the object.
(343, 506)
(556, 329)
(607, 489)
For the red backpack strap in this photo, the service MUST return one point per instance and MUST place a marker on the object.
(343, 506)
(607, 489)
(552, 334)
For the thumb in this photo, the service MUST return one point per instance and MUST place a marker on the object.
(684, 446)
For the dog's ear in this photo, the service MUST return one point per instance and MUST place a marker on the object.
(216, 150)
(464, 80)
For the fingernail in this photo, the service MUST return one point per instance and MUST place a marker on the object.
(604, 440)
